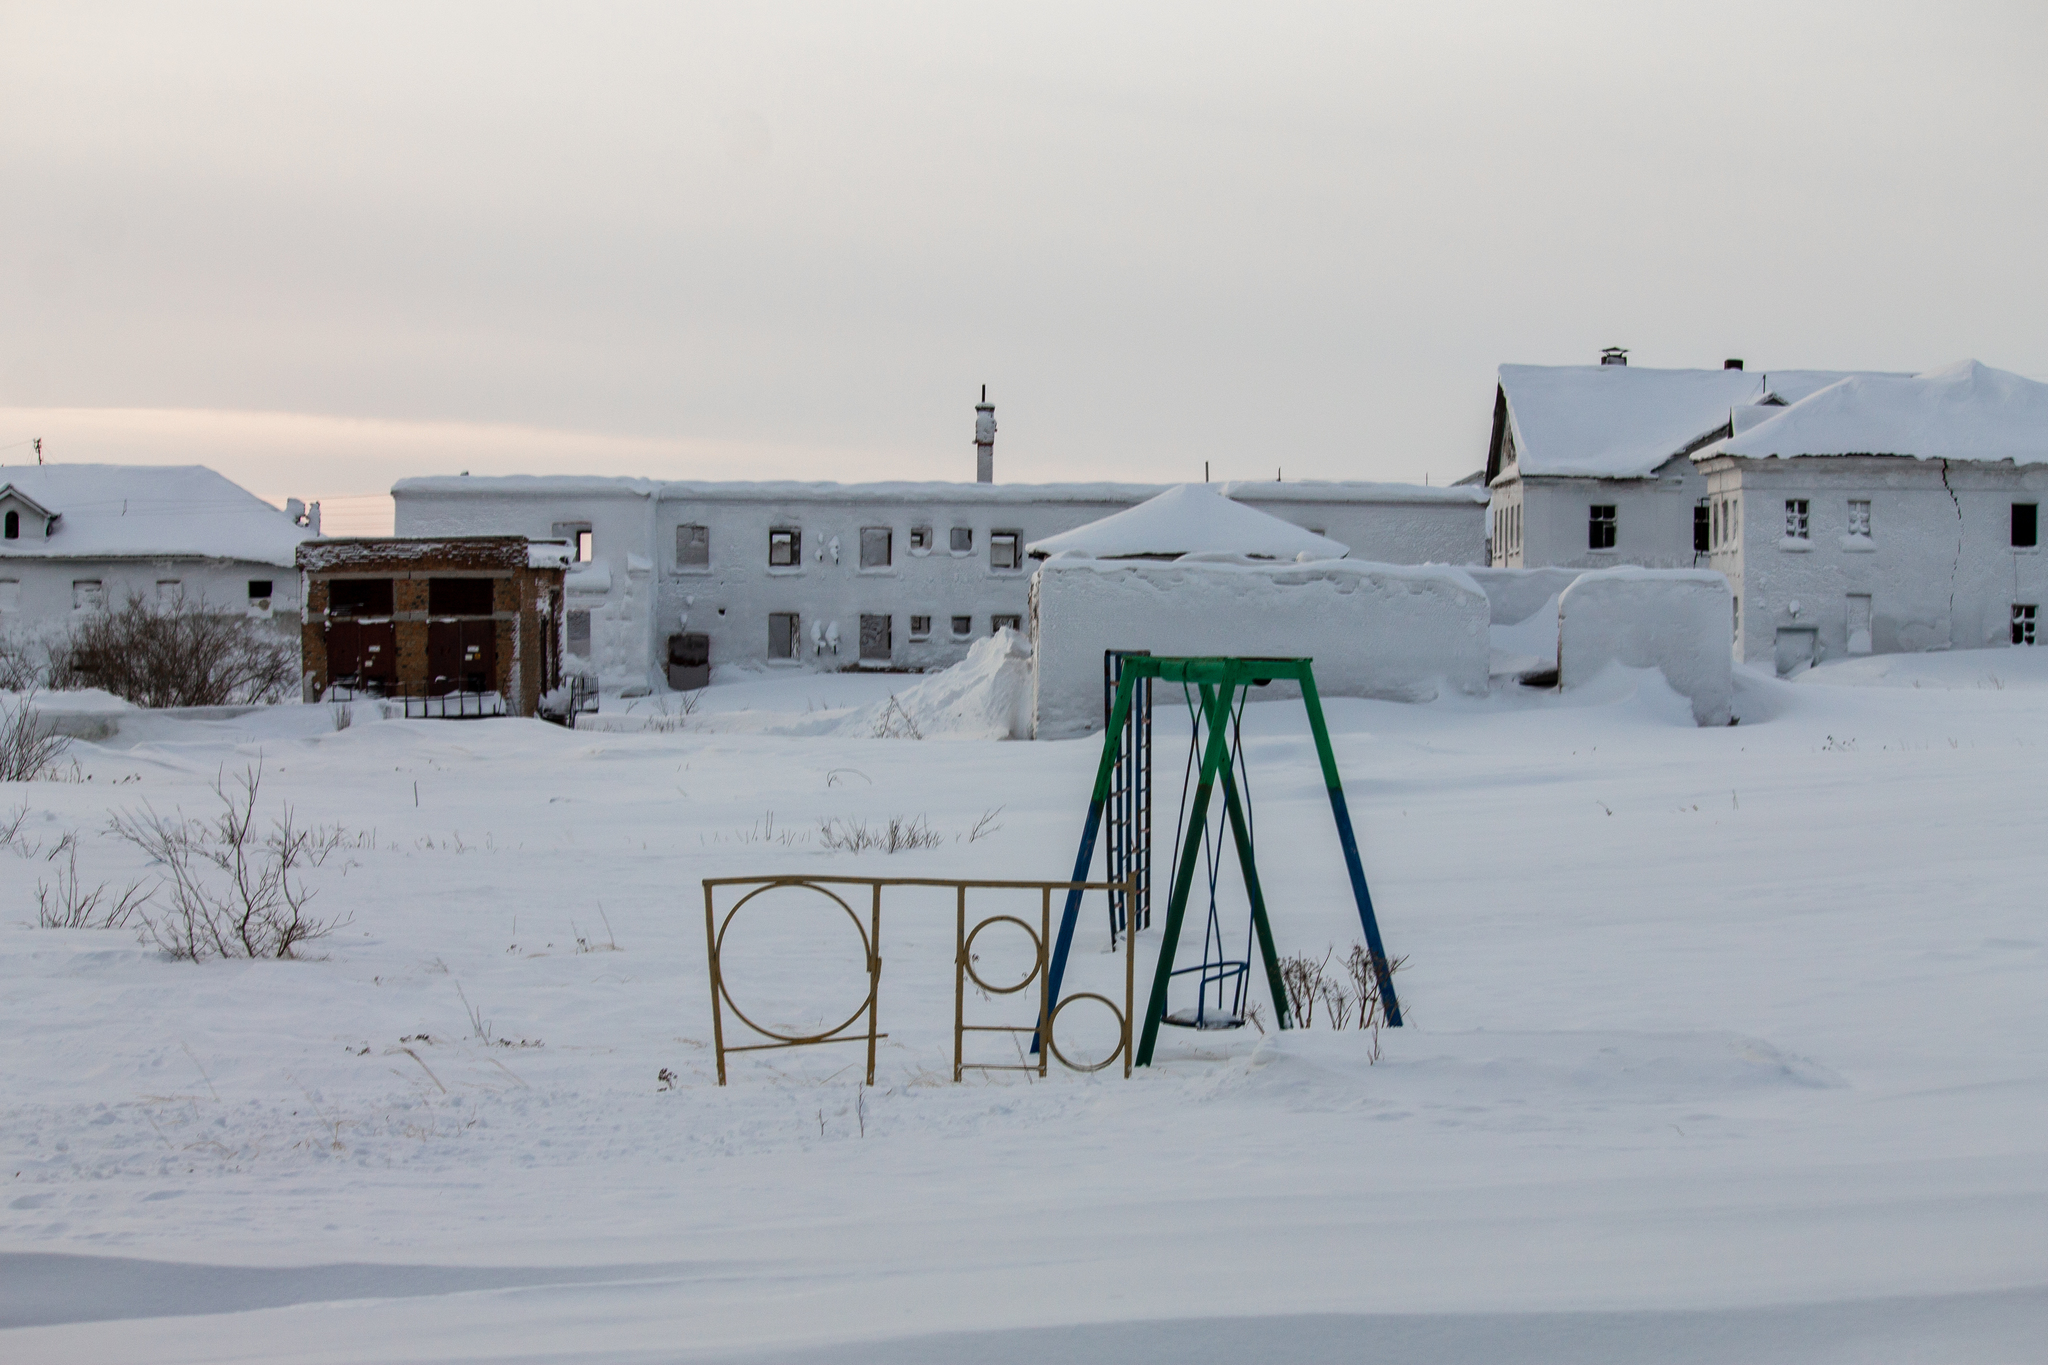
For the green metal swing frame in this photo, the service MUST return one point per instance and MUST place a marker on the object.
(1219, 680)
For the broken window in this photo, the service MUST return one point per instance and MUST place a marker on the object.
(785, 639)
(259, 591)
(2025, 524)
(920, 627)
(693, 547)
(963, 540)
(996, 623)
(920, 539)
(1859, 517)
(876, 544)
(359, 597)
(877, 641)
(579, 634)
(1795, 518)
(1702, 529)
(785, 549)
(2023, 623)
(88, 594)
(1006, 549)
(13, 525)
(963, 625)
(1600, 527)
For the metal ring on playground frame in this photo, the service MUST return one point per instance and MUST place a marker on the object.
(1122, 1040)
(1037, 950)
(867, 958)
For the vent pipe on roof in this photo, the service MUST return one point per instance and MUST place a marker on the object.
(984, 439)
(1731, 364)
(1614, 355)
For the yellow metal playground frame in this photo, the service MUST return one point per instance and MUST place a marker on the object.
(848, 1030)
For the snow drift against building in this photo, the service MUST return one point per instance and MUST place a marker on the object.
(1964, 411)
(987, 695)
(1190, 518)
(129, 511)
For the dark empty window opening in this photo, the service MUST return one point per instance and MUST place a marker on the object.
(259, 590)
(2025, 525)
(578, 642)
(14, 525)
(996, 623)
(2023, 623)
(876, 546)
(1600, 527)
(785, 548)
(1702, 529)
(693, 547)
(963, 540)
(920, 627)
(963, 625)
(459, 597)
(359, 597)
(1006, 549)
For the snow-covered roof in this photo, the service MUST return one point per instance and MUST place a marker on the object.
(1622, 421)
(1115, 494)
(113, 511)
(1964, 411)
(1191, 518)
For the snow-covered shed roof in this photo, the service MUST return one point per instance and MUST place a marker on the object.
(1190, 518)
(1964, 411)
(107, 511)
(1622, 421)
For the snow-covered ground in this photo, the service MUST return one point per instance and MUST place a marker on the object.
(1724, 1045)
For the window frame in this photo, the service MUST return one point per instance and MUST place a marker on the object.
(2025, 617)
(1799, 520)
(963, 627)
(997, 620)
(921, 539)
(2033, 522)
(888, 542)
(796, 636)
(684, 564)
(960, 540)
(920, 634)
(1860, 507)
(1603, 532)
(1014, 542)
(888, 636)
(794, 544)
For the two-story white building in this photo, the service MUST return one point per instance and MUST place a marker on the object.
(825, 575)
(1883, 514)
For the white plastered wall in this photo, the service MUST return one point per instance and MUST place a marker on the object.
(1674, 620)
(37, 594)
(1374, 630)
(1653, 518)
(1939, 568)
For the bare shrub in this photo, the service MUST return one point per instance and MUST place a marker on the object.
(28, 746)
(64, 903)
(1302, 976)
(233, 890)
(898, 836)
(23, 664)
(896, 723)
(179, 653)
(1350, 997)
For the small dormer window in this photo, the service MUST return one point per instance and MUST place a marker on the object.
(13, 525)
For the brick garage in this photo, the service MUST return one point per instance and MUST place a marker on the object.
(468, 625)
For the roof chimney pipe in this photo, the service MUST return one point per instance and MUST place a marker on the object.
(1614, 355)
(1731, 364)
(984, 439)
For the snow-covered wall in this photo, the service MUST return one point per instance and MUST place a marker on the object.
(1515, 595)
(1653, 519)
(1374, 630)
(1675, 620)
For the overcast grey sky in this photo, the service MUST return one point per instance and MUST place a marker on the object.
(323, 246)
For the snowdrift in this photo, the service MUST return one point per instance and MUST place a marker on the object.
(987, 695)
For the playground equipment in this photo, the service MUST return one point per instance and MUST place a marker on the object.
(1216, 689)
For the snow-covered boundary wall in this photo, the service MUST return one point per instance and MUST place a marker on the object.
(1515, 595)
(1676, 620)
(1397, 632)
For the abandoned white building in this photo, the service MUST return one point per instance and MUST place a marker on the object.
(674, 575)
(1883, 514)
(1589, 466)
(78, 538)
